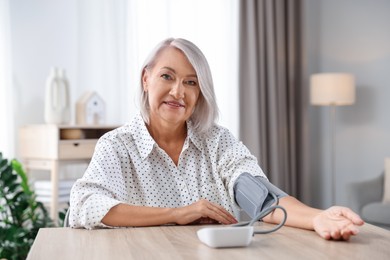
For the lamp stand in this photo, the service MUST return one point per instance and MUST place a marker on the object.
(332, 151)
(332, 89)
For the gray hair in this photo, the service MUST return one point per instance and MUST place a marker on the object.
(206, 110)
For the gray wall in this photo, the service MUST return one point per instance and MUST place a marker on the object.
(349, 36)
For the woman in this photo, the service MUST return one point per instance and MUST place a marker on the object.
(173, 164)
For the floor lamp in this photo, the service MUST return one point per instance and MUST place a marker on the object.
(332, 89)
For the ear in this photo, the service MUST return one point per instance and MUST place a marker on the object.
(145, 80)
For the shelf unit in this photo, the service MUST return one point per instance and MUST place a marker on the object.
(48, 146)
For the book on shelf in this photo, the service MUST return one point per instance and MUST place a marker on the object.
(61, 192)
(48, 198)
(46, 184)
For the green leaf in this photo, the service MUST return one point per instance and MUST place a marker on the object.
(17, 166)
(21, 215)
(16, 197)
(12, 182)
(3, 162)
(6, 174)
(13, 187)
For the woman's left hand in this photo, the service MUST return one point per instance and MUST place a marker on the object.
(337, 223)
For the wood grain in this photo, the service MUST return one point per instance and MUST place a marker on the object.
(181, 242)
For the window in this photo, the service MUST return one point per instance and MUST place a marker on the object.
(211, 25)
(6, 97)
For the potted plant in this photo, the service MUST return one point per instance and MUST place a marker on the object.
(21, 216)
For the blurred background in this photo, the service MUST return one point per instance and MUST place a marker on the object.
(102, 44)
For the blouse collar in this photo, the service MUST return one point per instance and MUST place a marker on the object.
(145, 142)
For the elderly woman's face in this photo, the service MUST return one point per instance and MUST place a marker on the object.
(172, 87)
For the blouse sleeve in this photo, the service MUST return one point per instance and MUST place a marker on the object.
(235, 159)
(101, 188)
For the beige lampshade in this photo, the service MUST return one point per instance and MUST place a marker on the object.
(337, 89)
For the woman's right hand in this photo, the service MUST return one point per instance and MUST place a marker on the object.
(203, 212)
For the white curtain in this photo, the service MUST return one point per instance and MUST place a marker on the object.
(102, 64)
(7, 125)
(211, 25)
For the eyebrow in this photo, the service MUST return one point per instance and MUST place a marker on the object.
(169, 68)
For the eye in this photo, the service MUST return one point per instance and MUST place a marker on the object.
(191, 82)
(166, 76)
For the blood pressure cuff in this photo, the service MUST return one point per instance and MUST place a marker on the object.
(253, 194)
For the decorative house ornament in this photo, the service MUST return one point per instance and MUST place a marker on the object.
(90, 109)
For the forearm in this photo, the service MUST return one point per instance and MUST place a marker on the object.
(123, 215)
(298, 214)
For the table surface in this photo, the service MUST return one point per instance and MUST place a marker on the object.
(181, 242)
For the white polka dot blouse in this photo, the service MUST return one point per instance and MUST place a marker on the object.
(129, 167)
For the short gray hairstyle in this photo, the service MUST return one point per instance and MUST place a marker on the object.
(206, 110)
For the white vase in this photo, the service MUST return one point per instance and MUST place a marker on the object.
(57, 107)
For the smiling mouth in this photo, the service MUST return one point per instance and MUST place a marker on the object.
(174, 104)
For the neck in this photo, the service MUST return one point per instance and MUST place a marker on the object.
(170, 139)
(167, 133)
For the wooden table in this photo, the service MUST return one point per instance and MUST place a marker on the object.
(181, 242)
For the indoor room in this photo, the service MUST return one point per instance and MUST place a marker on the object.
(294, 95)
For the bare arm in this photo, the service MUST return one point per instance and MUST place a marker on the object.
(129, 215)
(333, 223)
(299, 214)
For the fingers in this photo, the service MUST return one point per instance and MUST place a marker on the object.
(205, 221)
(218, 213)
(203, 211)
(335, 235)
(337, 223)
(340, 235)
(355, 218)
(343, 234)
(325, 235)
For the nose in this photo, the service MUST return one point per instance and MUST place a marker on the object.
(177, 91)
